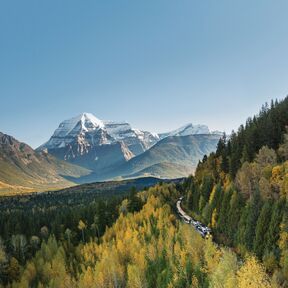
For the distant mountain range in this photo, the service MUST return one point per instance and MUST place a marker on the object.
(173, 156)
(86, 149)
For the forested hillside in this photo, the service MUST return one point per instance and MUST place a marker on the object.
(33, 226)
(241, 191)
(149, 248)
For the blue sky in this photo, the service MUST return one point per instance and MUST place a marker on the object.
(157, 64)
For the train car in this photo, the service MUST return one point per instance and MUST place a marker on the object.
(193, 222)
(203, 230)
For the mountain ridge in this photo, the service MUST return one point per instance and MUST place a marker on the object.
(86, 140)
(22, 169)
(85, 149)
(183, 151)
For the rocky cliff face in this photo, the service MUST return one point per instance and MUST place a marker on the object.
(97, 144)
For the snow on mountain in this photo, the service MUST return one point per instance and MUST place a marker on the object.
(86, 121)
(68, 129)
(186, 130)
(99, 144)
(80, 135)
(88, 130)
(217, 132)
(119, 130)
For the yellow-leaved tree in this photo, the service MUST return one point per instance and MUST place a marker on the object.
(252, 275)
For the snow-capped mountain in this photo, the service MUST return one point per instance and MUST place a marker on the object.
(136, 140)
(189, 129)
(88, 130)
(103, 146)
(97, 144)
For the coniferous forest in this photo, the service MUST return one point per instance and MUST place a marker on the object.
(241, 190)
(137, 240)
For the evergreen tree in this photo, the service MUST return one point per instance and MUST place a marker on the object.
(233, 218)
(261, 229)
(206, 189)
(223, 212)
(254, 208)
(272, 235)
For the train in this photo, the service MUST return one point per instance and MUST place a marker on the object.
(203, 230)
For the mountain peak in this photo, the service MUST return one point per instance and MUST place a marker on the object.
(85, 133)
(188, 129)
(90, 117)
(191, 129)
(89, 121)
(83, 122)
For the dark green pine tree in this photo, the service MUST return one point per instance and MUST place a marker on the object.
(195, 199)
(241, 231)
(223, 212)
(261, 229)
(192, 196)
(272, 234)
(254, 208)
(233, 218)
(245, 156)
(233, 165)
(221, 146)
(225, 163)
(206, 188)
(134, 202)
(222, 151)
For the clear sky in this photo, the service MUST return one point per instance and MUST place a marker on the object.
(157, 64)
